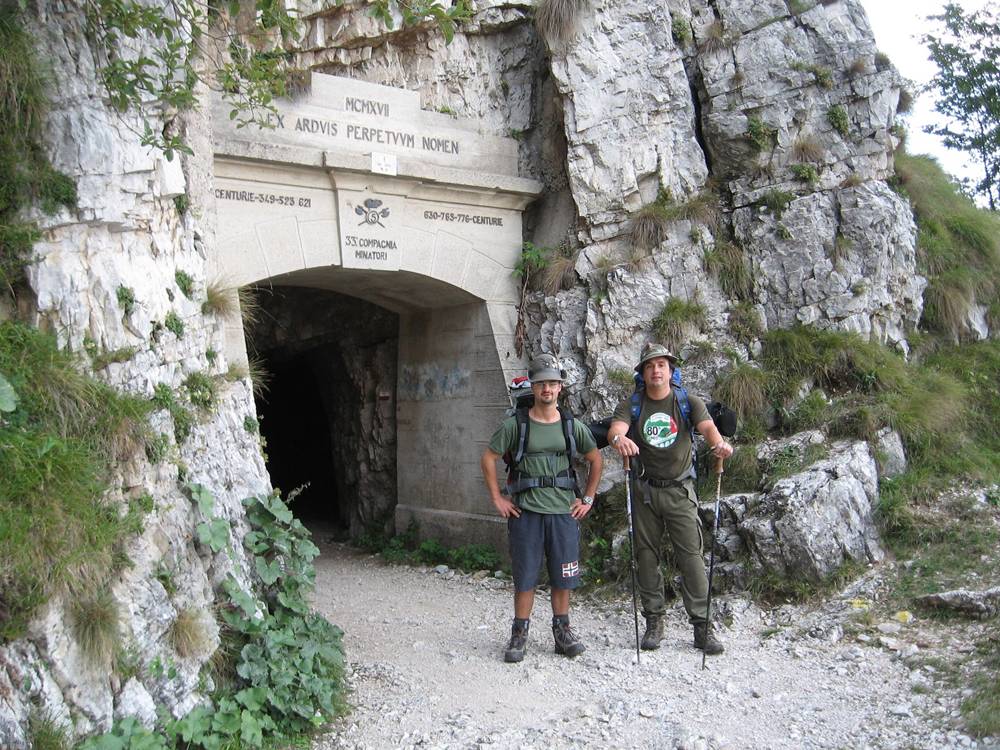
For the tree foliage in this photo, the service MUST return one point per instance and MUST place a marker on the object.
(966, 50)
(149, 53)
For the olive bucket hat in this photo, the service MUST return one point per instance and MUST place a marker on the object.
(652, 351)
(545, 367)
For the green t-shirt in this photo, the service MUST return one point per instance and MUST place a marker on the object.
(543, 438)
(664, 440)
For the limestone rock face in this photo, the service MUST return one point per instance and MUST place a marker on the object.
(813, 522)
(128, 233)
(781, 125)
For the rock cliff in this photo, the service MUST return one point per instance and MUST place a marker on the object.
(777, 121)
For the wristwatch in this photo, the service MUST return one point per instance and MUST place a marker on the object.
(587, 500)
(615, 439)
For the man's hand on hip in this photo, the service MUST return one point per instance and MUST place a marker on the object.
(505, 507)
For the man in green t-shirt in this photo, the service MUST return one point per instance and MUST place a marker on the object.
(661, 439)
(543, 510)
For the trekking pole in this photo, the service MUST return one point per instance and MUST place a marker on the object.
(631, 539)
(711, 559)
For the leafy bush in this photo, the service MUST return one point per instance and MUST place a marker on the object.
(185, 283)
(762, 136)
(805, 173)
(201, 390)
(174, 324)
(838, 119)
(777, 201)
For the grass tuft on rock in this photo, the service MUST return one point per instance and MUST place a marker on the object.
(677, 320)
(58, 448)
(958, 246)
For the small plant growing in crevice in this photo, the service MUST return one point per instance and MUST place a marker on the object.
(251, 424)
(126, 299)
(174, 324)
(182, 203)
(676, 319)
(807, 148)
(680, 30)
(905, 105)
(189, 633)
(762, 137)
(93, 621)
(157, 448)
(559, 271)
(727, 262)
(744, 323)
(797, 7)
(838, 119)
(556, 20)
(776, 202)
(806, 173)
(882, 61)
(783, 232)
(220, 300)
(822, 75)
(185, 283)
(858, 67)
(201, 389)
(715, 38)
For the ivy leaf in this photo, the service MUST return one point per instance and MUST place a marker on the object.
(214, 533)
(8, 396)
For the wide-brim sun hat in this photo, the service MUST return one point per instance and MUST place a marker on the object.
(545, 367)
(652, 351)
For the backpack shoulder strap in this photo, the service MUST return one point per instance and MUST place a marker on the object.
(685, 404)
(566, 416)
(522, 421)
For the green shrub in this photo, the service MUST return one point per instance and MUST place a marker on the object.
(762, 137)
(838, 119)
(805, 173)
(251, 425)
(776, 201)
(680, 29)
(201, 389)
(185, 283)
(58, 448)
(821, 74)
(174, 324)
(677, 318)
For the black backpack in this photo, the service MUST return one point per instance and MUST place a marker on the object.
(522, 399)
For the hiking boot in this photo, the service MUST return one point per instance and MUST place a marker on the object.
(654, 633)
(517, 644)
(705, 639)
(566, 640)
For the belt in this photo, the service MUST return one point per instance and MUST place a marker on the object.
(661, 483)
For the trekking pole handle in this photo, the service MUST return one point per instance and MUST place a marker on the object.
(626, 466)
(718, 464)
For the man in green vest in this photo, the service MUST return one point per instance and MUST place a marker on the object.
(661, 438)
(542, 503)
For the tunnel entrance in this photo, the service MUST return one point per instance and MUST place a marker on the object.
(327, 415)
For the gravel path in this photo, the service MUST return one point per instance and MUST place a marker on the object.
(425, 667)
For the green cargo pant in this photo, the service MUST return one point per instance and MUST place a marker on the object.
(674, 508)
